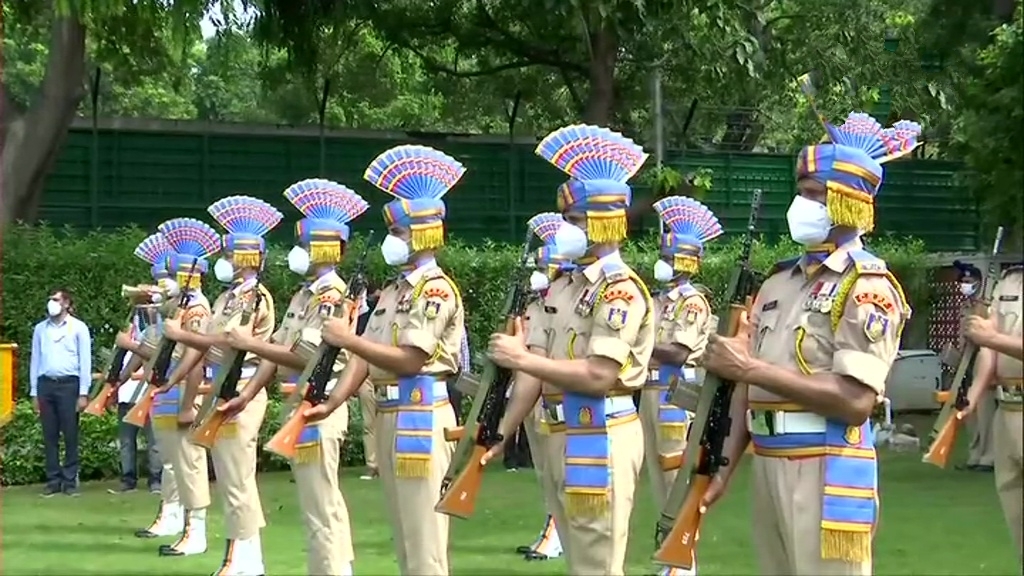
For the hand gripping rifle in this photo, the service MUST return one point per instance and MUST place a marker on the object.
(98, 405)
(462, 480)
(318, 371)
(676, 532)
(944, 432)
(160, 364)
(225, 384)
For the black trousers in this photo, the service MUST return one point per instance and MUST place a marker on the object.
(517, 450)
(455, 398)
(58, 412)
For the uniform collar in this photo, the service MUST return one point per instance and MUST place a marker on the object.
(837, 260)
(416, 274)
(594, 271)
(324, 280)
(677, 290)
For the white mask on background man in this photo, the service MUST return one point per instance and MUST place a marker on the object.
(663, 271)
(394, 250)
(298, 260)
(967, 288)
(53, 308)
(538, 281)
(224, 270)
(808, 221)
(570, 241)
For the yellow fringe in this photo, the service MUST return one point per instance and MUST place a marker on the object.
(165, 422)
(188, 281)
(307, 453)
(412, 466)
(427, 236)
(325, 252)
(672, 430)
(846, 546)
(606, 226)
(685, 263)
(246, 258)
(228, 430)
(587, 504)
(850, 207)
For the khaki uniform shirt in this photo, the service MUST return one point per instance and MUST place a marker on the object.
(684, 318)
(227, 315)
(603, 310)
(422, 310)
(808, 324)
(194, 319)
(1008, 306)
(301, 327)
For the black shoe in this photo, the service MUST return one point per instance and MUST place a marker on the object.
(145, 533)
(51, 491)
(524, 549)
(154, 489)
(170, 550)
(121, 490)
(71, 490)
(532, 555)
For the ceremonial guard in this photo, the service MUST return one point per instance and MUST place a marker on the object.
(999, 366)
(409, 349)
(189, 243)
(246, 220)
(980, 453)
(684, 323)
(599, 333)
(322, 236)
(550, 267)
(823, 333)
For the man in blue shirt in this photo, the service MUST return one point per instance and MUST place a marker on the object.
(60, 374)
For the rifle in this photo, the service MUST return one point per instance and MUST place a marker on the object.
(318, 371)
(676, 531)
(946, 426)
(98, 405)
(160, 364)
(225, 385)
(462, 480)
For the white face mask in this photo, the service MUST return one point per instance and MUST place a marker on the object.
(967, 288)
(53, 308)
(224, 270)
(808, 221)
(570, 241)
(538, 281)
(394, 250)
(663, 271)
(298, 260)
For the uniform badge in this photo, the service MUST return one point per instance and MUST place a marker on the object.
(827, 297)
(812, 298)
(586, 416)
(415, 396)
(326, 309)
(616, 318)
(404, 303)
(431, 309)
(691, 313)
(852, 435)
(875, 326)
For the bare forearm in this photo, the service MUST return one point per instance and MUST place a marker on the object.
(400, 360)
(189, 361)
(585, 376)
(524, 397)
(1007, 344)
(830, 395)
(984, 370)
(133, 366)
(201, 342)
(264, 375)
(278, 354)
(675, 354)
(351, 378)
(192, 383)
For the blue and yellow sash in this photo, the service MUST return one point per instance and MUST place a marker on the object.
(307, 448)
(588, 475)
(230, 427)
(849, 496)
(414, 428)
(165, 408)
(672, 420)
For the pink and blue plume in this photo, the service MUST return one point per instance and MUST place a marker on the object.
(545, 225)
(862, 132)
(190, 237)
(153, 249)
(245, 215)
(688, 219)
(592, 153)
(321, 199)
(901, 139)
(413, 172)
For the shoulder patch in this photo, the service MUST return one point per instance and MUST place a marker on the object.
(867, 263)
(1011, 269)
(613, 294)
(330, 296)
(783, 265)
(435, 291)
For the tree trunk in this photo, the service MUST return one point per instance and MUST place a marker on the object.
(33, 139)
(604, 49)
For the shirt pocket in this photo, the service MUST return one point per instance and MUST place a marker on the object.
(815, 342)
(767, 325)
(1009, 322)
(577, 338)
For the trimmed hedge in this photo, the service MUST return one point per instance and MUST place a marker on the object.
(37, 260)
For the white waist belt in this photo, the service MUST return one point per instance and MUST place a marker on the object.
(247, 372)
(784, 423)
(555, 413)
(653, 376)
(689, 374)
(390, 393)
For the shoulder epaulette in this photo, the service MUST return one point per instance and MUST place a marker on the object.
(783, 265)
(867, 263)
(615, 271)
(1015, 268)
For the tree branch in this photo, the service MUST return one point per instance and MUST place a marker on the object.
(523, 49)
(435, 66)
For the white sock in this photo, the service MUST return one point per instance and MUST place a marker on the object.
(247, 557)
(552, 545)
(346, 569)
(193, 538)
(169, 520)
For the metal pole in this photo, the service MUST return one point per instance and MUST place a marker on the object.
(323, 139)
(513, 115)
(658, 113)
(94, 181)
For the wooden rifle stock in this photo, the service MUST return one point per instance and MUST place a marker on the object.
(670, 462)
(205, 433)
(677, 549)
(283, 443)
(98, 405)
(139, 413)
(454, 434)
(460, 498)
(938, 453)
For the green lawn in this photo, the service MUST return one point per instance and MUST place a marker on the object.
(933, 522)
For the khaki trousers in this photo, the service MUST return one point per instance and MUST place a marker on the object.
(191, 475)
(1009, 463)
(324, 512)
(982, 451)
(166, 438)
(234, 462)
(656, 444)
(368, 409)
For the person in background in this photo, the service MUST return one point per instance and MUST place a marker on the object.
(128, 435)
(367, 400)
(465, 365)
(60, 374)
(980, 455)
